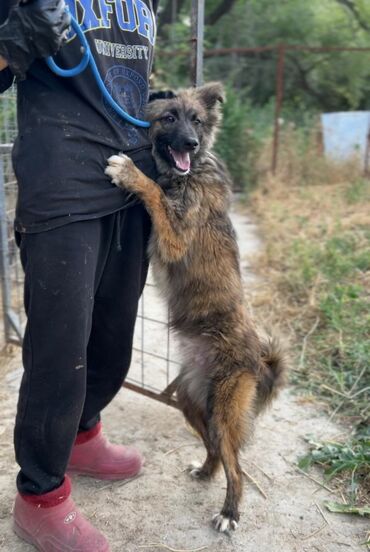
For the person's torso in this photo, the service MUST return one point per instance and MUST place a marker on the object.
(66, 128)
(121, 36)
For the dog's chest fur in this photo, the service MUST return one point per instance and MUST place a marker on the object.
(205, 283)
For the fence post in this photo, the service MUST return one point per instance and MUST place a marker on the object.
(279, 100)
(4, 252)
(12, 326)
(367, 154)
(197, 37)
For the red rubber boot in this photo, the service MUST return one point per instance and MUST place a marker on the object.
(93, 455)
(52, 523)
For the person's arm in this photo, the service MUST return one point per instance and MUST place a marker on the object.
(3, 63)
(32, 30)
(6, 76)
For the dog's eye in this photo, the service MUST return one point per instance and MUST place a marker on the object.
(197, 121)
(170, 119)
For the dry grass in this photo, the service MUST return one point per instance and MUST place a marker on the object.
(315, 275)
(317, 264)
(301, 160)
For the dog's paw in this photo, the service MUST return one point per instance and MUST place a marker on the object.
(120, 169)
(223, 524)
(195, 470)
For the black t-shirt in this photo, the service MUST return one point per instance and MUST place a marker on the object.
(66, 129)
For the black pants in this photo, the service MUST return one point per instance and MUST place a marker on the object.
(82, 286)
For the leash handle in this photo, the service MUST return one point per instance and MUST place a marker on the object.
(87, 59)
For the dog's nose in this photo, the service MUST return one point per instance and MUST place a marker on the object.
(191, 144)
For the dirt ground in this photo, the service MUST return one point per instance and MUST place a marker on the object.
(164, 508)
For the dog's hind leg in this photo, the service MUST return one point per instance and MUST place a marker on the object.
(229, 516)
(196, 417)
(233, 403)
(210, 465)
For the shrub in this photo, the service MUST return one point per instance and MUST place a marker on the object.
(238, 143)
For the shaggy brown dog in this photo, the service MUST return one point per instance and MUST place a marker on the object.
(228, 372)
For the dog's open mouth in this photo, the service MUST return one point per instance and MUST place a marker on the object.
(181, 160)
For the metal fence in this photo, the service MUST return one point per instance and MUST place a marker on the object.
(279, 52)
(155, 358)
(13, 318)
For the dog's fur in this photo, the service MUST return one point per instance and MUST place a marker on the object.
(228, 373)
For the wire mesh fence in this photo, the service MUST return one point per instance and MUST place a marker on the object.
(155, 356)
(13, 318)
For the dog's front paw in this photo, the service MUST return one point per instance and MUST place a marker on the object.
(223, 523)
(121, 170)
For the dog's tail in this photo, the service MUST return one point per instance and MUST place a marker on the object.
(273, 373)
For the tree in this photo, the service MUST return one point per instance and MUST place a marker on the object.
(313, 81)
(355, 10)
(171, 11)
(219, 11)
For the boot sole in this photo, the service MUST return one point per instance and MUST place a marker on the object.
(22, 534)
(104, 476)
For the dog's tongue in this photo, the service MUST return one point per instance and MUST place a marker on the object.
(182, 160)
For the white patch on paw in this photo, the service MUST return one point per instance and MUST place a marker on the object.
(194, 469)
(113, 174)
(120, 159)
(222, 523)
(116, 166)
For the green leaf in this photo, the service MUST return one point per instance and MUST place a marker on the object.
(305, 462)
(339, 508)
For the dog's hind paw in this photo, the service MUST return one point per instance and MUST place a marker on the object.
(223, 524)
(195, 469)
(119, 169)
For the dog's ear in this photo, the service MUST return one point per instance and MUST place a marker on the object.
(161, 95)
(211, 94)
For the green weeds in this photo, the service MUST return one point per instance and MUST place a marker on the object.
(318, 261)
(332, 274)
(349, 462)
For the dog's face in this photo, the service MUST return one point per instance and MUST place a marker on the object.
(183, 127)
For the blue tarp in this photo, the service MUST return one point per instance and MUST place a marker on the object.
(345, 134)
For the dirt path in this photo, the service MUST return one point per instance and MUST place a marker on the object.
(165, 506)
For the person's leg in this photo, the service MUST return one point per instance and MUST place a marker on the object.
(110, 345)
(60, 267)
(115, 310)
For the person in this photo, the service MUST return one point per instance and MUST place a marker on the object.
(82, 243)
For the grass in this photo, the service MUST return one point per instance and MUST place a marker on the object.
(315, 221)
(348, 462)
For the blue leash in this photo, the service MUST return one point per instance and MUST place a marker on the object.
(87, 59)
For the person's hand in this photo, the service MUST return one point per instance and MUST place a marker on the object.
(33, 30)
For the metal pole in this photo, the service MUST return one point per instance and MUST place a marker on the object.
(197, 38)
(4, 252)
(11, 320)
(367, 154)
(279, 101)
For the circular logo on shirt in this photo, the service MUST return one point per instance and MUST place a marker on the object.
(129, 90)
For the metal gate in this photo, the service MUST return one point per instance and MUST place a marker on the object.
(155, 358)
(154, 363)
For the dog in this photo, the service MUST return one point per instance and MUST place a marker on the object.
(229, 373)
